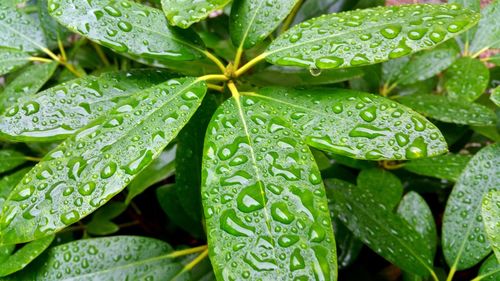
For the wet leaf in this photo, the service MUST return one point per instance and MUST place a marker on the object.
(466, 79)
(495, 96)
(488, 29)
(10, 159)
(90, 167)
(355, 124)
(368, 36)
(491, 217)
(450, 110)
(184, 13)
(252, 21)
(62, 110)
(101, 222)
(448, 167)
(19, 30)
(7, 184)
(267, 213)
(383, 185)
(11, 60)
(464, 238)
(22, 257)
(490, 269)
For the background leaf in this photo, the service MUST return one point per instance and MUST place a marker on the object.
(10, 159)
(466, 79)
(11, 60)
(184, 13)
(488, 29)
(490, 270)
(495, 96)
(383, 185)
(448, 167)
(7, 184)
(22, 257)
(491, 217)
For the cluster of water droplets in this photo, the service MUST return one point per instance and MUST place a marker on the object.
(11, 60)
(183, 13)
(466, 79)
(19, 31)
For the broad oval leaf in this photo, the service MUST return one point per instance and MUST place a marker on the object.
(490, 270)
(22, 257)
(464, 238)
(264, 201)
(90, 167)
(380, 229)
(488, 30)
(11, 59)
(184, 13)
(466, 79)
(19, 30)
(65, 108)
(491, 217)
(448, 167)
(368, 36)
(356, 124)
(450, 110)
(128, 28)
(251, 21)
(10, 159)
(383, 185)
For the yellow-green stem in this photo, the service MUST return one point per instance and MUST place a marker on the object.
(186, 252)
(479, 52)
(34, 159)
(215, 87)
(100, 53)
(40, 59)
(234, 91)
(250, 64)
(452, 273)
(237, 59)
(213, 58)
(61, 49)
(213, 77)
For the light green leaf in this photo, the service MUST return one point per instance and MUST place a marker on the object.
(475, 6)
(466, 79)
(383, 185)
(19, 30)
(491, 217)
(128, 28)
(27, 83)
(10, 159)
(495, 96)
(8, 183)
(464, 238)
(448, 167)
(368, 36)
(356, 124)
(98, 161)
(263, 197)
(488, 30)
(52, 29)
(22, 257)
(380, 229)
(184, 13)
(490, 270)
(90, 97)
(11, 60)
(490, 132)
(251, 21)
(450, 110)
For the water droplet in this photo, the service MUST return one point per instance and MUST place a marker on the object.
(234, 226)
(251, 199)
(280, 212)
(109, 170)
(70, 217)
(417, 149)
(391, 32)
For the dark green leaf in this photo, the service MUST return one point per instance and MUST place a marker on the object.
(356, 124)
(11, 60)
(264, 201)
(368, 36)
(22, 257)
(253, 20)
(101, 223)
(381, 230)
(348, 245)
(490, 270)
(495, 96)
(495, 59)
(448, 167)
(383, 185)
(490, 132)
(67, 107)
(10, 159)
(184, 13)
(314, 8)
(466, 79)
(19, 30)
(464, 238)
(52, 29)
(491, 216)
(98, 161)
(488, 30)
(391, 70)
(450, 110)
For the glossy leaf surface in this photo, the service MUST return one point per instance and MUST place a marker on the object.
(11, 60)
(383, 185)
(19, 30)
(10, 159)
(495, 96)
(450, 110)
(466, 79)
(356, 124)
(448, 167)
(267, 213)
(490, 269)
(380, 229)
(292, 76)
(488, 29)
(7, 184)
(184, 13)
(368, 36)
(491, 217)
(464, 237)
(25, 255)
(65, 108)
(252, 21)
(98, 161)
(127, 27)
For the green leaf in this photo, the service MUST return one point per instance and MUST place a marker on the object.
(251, 21)
(392, 69)
(415, 211)
(495, 96)
(488, 29)
(19, 30)
(184, 13)
(11, 60)
(29, 82)
(101, 223)
(466, 79)
(10, 160)
(495, 59)
(464, 238)
(491, 217)
(263, 197)
(490, 270)
(22, 257)
(450, 110)
(356, 124)
(90, 167)
(475, 6)
(490, 132)
(128, 28)
(368, 36)
(90, 97)
(8, 183)
(448, 167)
(383, 185)
(109, 258)
(348, 246)
(381, 230)
(52, 29)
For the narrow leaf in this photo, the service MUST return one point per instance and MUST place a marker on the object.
(252, 21)
(488, 29)
(101, 222)
(448, 167)
(8, 183)
(11, 60)
(10, 159)
(383, 185)
(490, 270)
(466, 79)
(464, 238)
(450, 110)
(491, 216)
(495, 96)
(19, 30)
(356, 124)
(368, 36)
(184, 13)
(268, 207)
(22, 257)
(90, 167)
